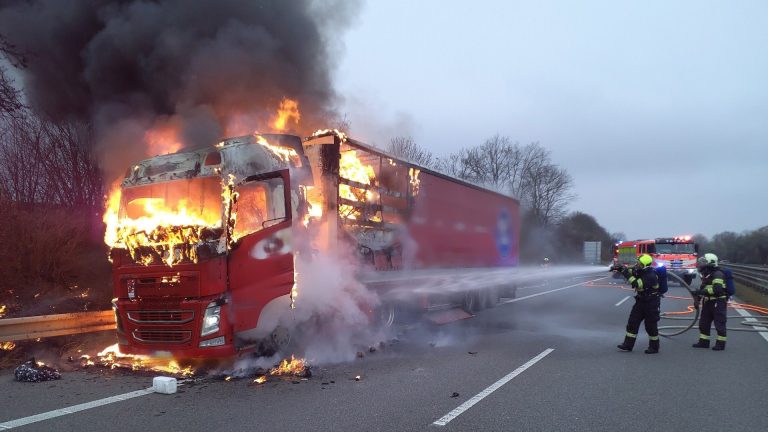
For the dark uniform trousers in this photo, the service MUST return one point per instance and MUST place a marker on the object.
(646, 308)
(713, 310)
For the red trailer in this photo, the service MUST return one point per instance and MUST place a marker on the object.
(205, 243)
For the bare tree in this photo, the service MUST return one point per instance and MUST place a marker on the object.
(71, 167)
(546, 191)
(406, 148)
(526, 172)
(45, 164)
(22, 161)
(10, 96)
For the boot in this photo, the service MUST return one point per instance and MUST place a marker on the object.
(628, 344)
(702, 343)
(719, 345)
(653, 346)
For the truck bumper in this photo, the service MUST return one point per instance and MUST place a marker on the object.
(171, 328)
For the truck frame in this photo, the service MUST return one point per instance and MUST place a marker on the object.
(214, 278)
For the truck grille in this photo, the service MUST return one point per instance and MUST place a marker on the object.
(161, 316)
(162, 336)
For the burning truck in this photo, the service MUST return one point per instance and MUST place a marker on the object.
(207, 244)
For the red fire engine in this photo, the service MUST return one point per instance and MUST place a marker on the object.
(677, 254)
(204, 242)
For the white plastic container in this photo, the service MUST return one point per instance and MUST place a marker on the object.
(164, 385)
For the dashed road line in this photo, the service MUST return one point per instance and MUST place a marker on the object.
(492, 388)
(748, 317)
(623, 300)
(73, 409)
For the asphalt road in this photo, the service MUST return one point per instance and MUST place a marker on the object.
(582, 384)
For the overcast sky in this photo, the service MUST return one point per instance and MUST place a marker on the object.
(658, 109)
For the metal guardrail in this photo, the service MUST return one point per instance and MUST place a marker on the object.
(752, 275)
(16, 329)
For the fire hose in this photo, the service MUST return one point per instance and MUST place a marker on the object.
(695, 309)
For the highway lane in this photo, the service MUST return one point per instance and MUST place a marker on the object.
(583, 384)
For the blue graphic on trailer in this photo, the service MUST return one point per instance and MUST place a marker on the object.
(505, 237)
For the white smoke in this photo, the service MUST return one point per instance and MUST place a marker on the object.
(333, 319)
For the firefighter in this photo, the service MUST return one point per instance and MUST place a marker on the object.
(645, 281)
(714, 302)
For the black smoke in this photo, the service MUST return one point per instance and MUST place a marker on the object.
(211, 67)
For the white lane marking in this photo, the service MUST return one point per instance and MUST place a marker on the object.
(73, 409)
(623, 300)
(550, 291)
(748, 317)
(493, 387)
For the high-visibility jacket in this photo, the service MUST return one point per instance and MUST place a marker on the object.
(713, 283)
(645, 281)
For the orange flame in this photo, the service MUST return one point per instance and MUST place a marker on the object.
(351, 168)
(290, 367)
(285, 154)
(112, 357)
(170, 230)
(2, 310)
(260, 380)
(413, 173)
(288, 111)
(7, 346)
(321, 132)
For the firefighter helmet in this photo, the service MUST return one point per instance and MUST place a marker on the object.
(645, 260)
(709, 259)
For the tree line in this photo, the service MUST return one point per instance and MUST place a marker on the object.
(749, 247)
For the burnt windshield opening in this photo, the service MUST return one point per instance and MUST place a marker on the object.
(169, 221)
(260, 204)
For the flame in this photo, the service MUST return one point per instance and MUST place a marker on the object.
(314, 201)
(7, 346)
(2, 310)
(321, 132)
(112, 358)
(351, 168)
(285, 154)
(288, 111)
(260, 380)
(169, 231)
(290, 367)
(413, 173)
(229, 195)
(163, 140)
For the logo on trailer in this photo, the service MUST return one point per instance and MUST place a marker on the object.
(504, 235)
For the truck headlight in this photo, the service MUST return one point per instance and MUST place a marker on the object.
(211, 319)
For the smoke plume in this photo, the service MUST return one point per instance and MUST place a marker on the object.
(206, 68)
